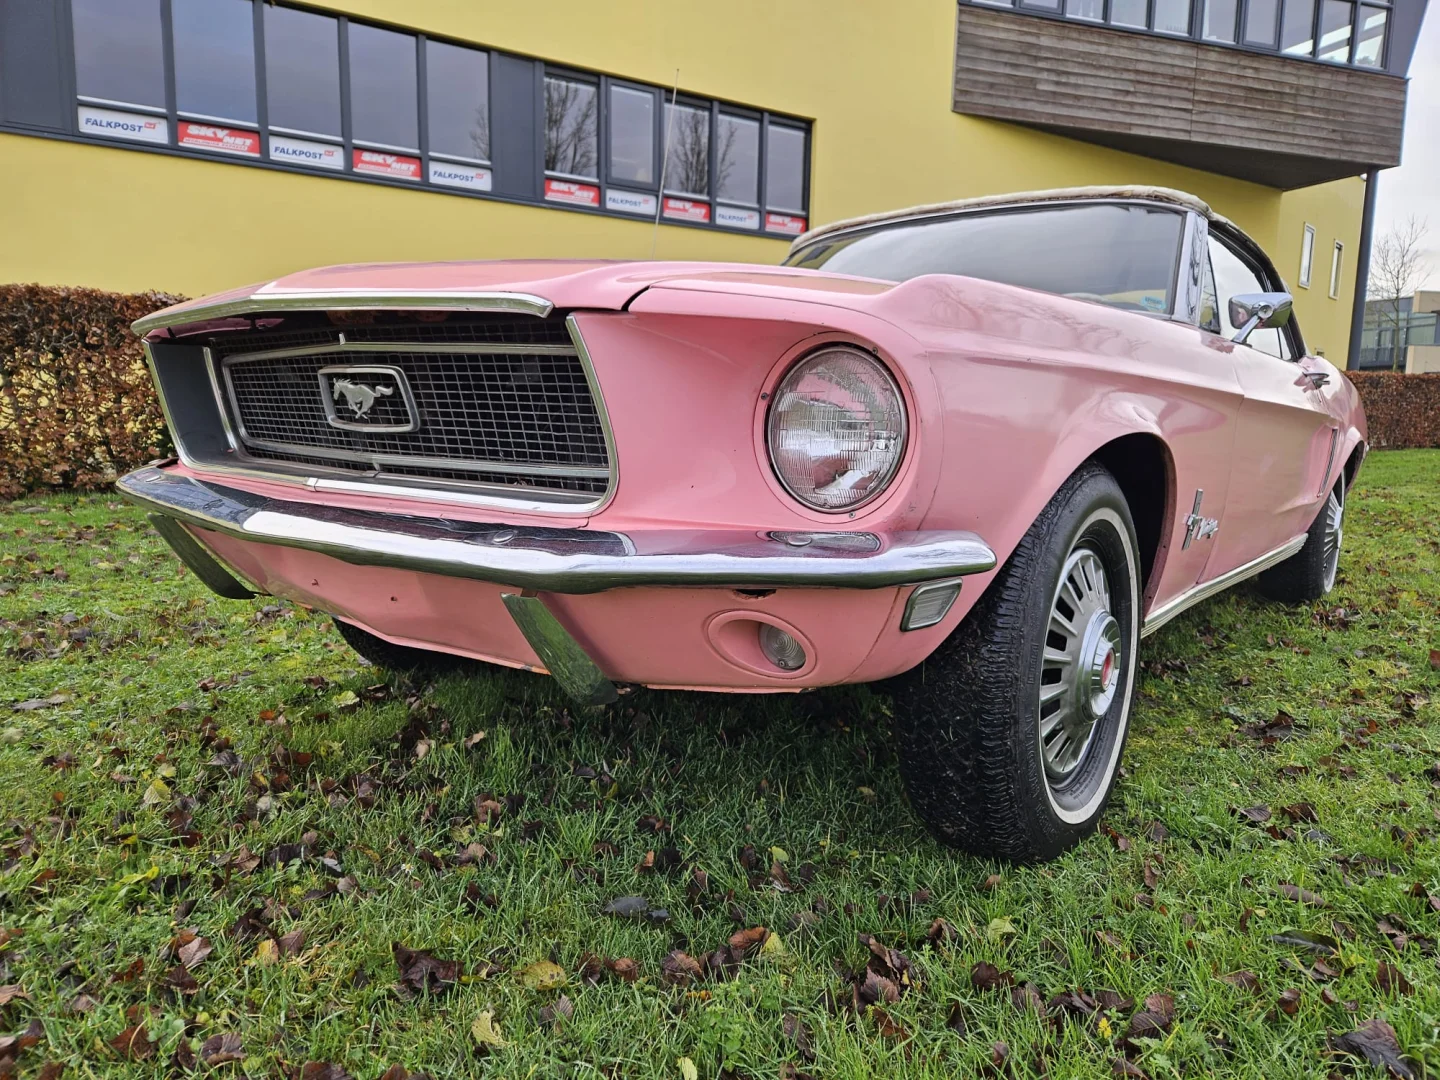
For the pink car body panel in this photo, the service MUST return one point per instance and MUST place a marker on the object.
(1008, 391)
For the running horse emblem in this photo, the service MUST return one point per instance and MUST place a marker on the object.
(359, 397)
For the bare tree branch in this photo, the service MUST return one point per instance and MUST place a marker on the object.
(1397, 267)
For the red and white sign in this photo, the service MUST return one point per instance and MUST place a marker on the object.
(379, 163)
(737, 218)
(686, 209)
(784, 223)
(113, 124)
(451, 174)
(223, 140)
(317, 155)
(630, 202)
(568, 191)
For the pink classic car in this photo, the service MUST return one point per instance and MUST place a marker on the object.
(978, 450)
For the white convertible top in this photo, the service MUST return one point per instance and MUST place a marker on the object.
(1127, 191)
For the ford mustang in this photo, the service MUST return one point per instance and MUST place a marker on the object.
(975, 451)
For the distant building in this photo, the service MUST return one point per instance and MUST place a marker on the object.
(1403, 340)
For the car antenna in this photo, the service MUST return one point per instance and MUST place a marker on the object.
(664, 160)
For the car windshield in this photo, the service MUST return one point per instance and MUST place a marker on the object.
(1118, 254)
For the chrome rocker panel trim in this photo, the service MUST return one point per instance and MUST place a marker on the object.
(1206, 589)
(569, 561)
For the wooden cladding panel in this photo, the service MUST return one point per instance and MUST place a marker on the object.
(1298, 122)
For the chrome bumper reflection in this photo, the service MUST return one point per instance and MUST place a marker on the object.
(566, 560)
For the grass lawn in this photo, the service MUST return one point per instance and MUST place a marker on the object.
(225, 841)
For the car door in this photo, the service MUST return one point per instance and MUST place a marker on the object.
(1287, 432)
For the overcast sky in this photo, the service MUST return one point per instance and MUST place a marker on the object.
(1414, 188)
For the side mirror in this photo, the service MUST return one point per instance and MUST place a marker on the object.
(1259, 311)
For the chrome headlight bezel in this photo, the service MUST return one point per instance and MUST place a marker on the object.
(886, 380)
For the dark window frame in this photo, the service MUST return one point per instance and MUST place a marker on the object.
(427, 152)
(609, 83)
(347, 145)
(1264, 270)
(1197, 24)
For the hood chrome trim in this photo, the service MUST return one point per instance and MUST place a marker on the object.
(266, 299)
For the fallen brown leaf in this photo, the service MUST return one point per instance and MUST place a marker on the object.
(219, 1049)
(133, 1044)
(1391, 980)
(1376, 1042)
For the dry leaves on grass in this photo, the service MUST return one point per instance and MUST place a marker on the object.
(1377, 1043)
(422, 972)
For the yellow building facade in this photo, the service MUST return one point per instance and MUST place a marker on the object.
(871, 82)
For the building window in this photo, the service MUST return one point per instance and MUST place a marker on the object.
(327, 92)
(457, 96)
(1370, 42)
(632, 135)
(1335, 270)
(1307, 255)
(302, 72)
(119, 55)
(384, 110)
(1172, 16)
(215, 59)
(1262, 19)
(1129, 13)
(1349, 33)
(687, 150)
(1335, 18)
(1220, 20)
(785, 169)
(571, 127)
(737, 160)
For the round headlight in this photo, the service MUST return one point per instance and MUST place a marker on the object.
(836, 429)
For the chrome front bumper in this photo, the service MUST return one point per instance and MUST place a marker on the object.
(549, 560)
(566, 560)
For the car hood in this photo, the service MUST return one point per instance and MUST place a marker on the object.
(533, 285)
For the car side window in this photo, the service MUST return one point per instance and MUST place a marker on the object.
(1232, 276)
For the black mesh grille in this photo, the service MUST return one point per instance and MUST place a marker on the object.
(516, 418)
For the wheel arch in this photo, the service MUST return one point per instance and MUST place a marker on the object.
(1144, 468)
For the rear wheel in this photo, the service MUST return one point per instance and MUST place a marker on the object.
(1010, 733)
(398, 658)
(1310, 573)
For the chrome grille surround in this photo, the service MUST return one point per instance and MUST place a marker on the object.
(510, 410)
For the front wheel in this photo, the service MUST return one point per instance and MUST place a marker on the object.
(1010, 733)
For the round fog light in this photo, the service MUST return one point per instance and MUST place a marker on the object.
(780, 648)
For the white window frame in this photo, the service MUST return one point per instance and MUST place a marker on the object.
(1335, 265)
(1307, 255)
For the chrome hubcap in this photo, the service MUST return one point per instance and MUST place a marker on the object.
(1334, 535)
(1080, 671)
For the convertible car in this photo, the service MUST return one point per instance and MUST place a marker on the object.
(975, 450)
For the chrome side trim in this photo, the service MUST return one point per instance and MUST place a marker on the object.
(275, 300)
(571, 561)
(588, 367)
(219, 401)
(1206, 589)
(568, 663)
